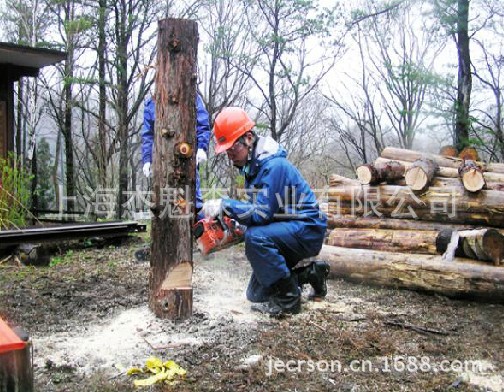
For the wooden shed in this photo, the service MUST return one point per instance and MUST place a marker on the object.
(17, 61)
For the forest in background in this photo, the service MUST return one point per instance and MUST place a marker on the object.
(335, 82)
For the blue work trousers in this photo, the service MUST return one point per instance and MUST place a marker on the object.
(274, 249)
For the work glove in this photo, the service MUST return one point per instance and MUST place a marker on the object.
(201, 156)
(212, 208)
(146, 169)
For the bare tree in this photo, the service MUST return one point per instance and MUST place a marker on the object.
(227, 51)
(357, 121)
(488, 69)
(453, 15)
(287, 70)
(402, 54)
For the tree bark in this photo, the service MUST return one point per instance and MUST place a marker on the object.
(16, 373)
(464, 80)
(452, 204)
(174, 170)
(420, 174)
(401, 154)
(451, 172)
(123, 37)
(67, 120)
(356, 222)
(423, 242)
(445, 182)
(388, 172)
(336, 180)
(102, 94)
(337, 210)
(486, 201)
(481, 244)
(461, 278)
(471, 176)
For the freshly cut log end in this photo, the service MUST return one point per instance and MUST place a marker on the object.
(473, 180)
(469, 153)
(366, 174)
(477, 244)
(493, 243)
(471, 176)
(416, 178)
(448, 151)
(419, 176)
(374, 174)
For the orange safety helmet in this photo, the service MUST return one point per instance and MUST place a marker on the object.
(229, 125)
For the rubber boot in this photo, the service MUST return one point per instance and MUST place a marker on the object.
(285, 299)
(314, 274)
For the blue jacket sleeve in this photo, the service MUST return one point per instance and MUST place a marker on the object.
(148, 130)
(267, 198)
(202, 124)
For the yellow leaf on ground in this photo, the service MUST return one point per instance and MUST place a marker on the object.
(162, 372)
(153, 362)
(134, 370)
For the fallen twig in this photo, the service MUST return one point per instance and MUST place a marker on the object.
(415, 328)
(318, 326)
(171, 345)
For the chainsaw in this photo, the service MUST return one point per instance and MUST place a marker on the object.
(213, 234)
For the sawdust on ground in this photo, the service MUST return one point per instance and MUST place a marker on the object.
(89, 321)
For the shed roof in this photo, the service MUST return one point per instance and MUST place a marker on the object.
(28, 57)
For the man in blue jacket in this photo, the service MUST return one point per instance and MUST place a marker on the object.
(283, 219)
(202, 135)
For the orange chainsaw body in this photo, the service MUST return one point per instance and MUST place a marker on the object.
(213, 234)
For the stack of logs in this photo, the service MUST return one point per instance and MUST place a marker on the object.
(420, 221)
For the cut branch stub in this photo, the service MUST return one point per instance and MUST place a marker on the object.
(419, 176)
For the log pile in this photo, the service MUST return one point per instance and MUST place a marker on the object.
(422, 221)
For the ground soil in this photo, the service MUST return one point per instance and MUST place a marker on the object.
(88, 320)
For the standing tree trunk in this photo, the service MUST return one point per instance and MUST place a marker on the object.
(102, 94)
(19, 116)
(67, 132)
(174, 170)
(123, 36)
(68, 107)
(464, 86)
